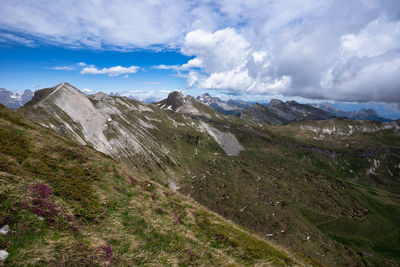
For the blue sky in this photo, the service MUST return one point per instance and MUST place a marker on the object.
(310, 51)
(25, 67)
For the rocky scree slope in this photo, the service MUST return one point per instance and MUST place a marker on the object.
(67, 204)
(320, 197)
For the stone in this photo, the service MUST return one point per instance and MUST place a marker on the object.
(5, 229)
(3, 255)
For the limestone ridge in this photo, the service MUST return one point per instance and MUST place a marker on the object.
(104, 122)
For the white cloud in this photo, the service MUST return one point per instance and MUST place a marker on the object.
(166, 67)
(376, 39)
(193, 63)
(62, 68)
(228, 63)
(87, 90)
(112, 71)
(98, 24)
(82, 64)
(216, 52)
(13, 38)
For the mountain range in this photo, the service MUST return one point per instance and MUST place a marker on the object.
(362, 114)
(277, 113)
(324, 187)
(14, 100)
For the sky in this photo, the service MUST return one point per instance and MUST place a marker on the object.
(345, 52)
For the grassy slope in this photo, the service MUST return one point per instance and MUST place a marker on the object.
(67, 204)
(276, 185)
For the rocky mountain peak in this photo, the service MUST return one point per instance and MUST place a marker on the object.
(206, 95)
(175, 96)
(174, 101)
(275, 102)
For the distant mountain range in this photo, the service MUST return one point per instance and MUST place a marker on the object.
(276, 112)
(279, 112)
(362, 114)
(15, 100)
(231, 107)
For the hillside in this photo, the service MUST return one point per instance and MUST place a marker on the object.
(326, 188)
(67, 204)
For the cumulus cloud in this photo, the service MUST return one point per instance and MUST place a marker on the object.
(112, 71)
(229, 63)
